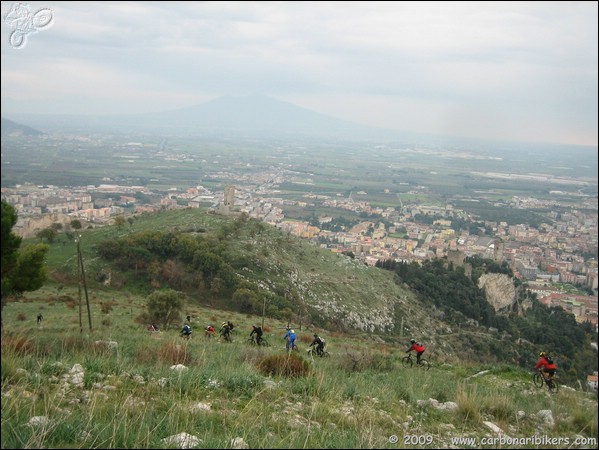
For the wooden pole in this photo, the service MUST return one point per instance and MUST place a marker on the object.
(79, 287)
(89, 314)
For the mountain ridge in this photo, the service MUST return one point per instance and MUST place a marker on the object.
(255, 114)
(11, 128)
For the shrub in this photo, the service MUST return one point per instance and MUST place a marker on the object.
(304, 339)
(469, 404)
(288, 365)
(172, 353)
(359, 362)
(18, 345)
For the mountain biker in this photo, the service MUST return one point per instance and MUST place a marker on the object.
(418, 348)
(209, 331)
(319, 343)
(186, 331)
(290, 337)
(225, 330)
(258, 332)
(546, 365)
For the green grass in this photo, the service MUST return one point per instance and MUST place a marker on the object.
(357, 398)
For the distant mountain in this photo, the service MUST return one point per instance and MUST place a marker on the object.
(255, 114)
(10, 128)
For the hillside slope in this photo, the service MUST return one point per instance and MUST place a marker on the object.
(248, 266)
(120, 386)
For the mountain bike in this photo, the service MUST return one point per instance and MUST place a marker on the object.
(538, 379)
(226, 336)
(314, 351)
(252, 341)
(408, 361)
(289, 350)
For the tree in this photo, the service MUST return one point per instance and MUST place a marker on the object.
(165, 306)
(21, 271)
(247, 300)
(48, 234)
(76, 224)
(119, 221)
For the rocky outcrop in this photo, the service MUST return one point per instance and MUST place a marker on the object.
(499, 289)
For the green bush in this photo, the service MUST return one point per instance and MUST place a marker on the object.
(288, 365)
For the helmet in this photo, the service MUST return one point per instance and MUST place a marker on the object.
(315, 335)
(412, 340)
(292, 331)
(224, 323)
(542, 354)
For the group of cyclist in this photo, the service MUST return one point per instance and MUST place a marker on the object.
(256, 335)
(545, 364)
(209, 331)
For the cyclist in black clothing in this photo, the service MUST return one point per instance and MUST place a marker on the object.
(319, 343)
(258, 332)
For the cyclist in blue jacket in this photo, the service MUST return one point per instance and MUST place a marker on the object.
(290, 337)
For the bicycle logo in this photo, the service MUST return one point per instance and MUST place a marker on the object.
(24, 22)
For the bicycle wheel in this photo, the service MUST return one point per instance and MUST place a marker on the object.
(250, 341)
(406, 361)
(552, 385)
(424, 364)
(325, 354)
(264, 342)
(537, 380)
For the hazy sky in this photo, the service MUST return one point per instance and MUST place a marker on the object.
(513, 70)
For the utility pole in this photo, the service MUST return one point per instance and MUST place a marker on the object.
(79, 286)
(82, 280)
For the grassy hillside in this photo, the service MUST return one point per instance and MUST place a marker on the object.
(127, 395)
(330, 289)
(289, 277)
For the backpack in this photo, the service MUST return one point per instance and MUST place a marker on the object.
(549, 358)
